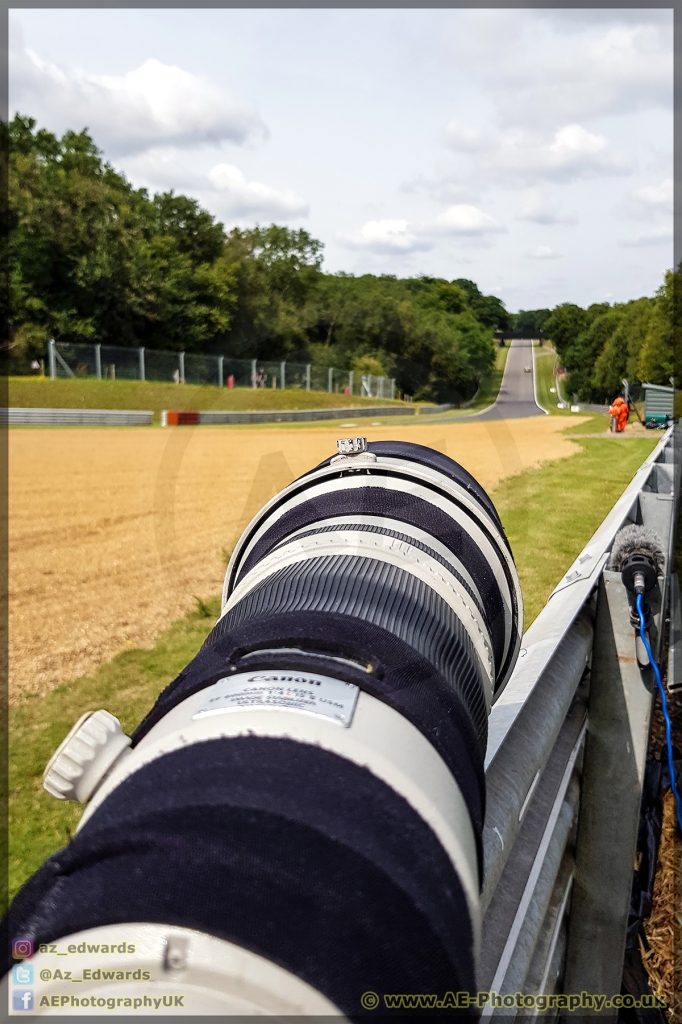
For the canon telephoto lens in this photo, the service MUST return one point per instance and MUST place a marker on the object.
(295, 827)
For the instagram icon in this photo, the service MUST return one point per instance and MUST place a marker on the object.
(22, 949)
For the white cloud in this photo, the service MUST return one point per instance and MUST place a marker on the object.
(224, 189)
(540, 209)
(161, 168)
(658, 196)
(577, 18)
(384, 236)
(155, 104)
(541, 74)
(657, 236)
(465, 139)
(572, 152)
(240, 196)
(543, 252)
(464, 219)
(399, 236)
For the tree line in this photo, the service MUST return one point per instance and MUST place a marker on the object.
(604, 344)
(92, 259)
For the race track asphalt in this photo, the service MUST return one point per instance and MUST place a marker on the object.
(517, 395)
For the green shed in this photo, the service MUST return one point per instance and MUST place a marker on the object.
(659, 405)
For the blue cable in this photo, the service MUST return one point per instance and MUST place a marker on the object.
(664, 706)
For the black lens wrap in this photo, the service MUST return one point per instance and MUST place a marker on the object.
(401, 678)
(392, 505)
(280, 847)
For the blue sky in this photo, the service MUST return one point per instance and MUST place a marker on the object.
(530, 151)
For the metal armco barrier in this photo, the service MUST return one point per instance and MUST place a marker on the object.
(76, 417)
(565, 764)
(171, 418)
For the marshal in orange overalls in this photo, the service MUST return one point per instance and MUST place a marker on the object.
(620, 410)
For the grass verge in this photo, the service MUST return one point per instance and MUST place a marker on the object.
(86, 393)
(545, 379)
(549, 514)
(127, 686)
(490, 386)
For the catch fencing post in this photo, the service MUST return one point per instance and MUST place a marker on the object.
(53, 361)
(282, 370)
(307, 377)
(392, 388)
(221, 379)
(98, 362)
(330, 379)
(181, 366)
(140, 353)
(350, 382)
(253, 373)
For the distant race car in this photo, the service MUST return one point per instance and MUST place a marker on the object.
(526, 369)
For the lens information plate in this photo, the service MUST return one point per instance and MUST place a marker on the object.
(291, 691)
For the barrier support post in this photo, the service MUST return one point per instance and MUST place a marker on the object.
(221, 378)
(98, 362)
(330, 379)
(140, 353)
(283, 374)
(52, 359)
(613, 775)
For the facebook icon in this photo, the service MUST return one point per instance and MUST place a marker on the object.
(23, 1000)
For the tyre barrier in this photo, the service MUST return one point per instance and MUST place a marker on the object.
(296, 824)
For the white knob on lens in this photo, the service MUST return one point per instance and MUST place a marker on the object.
(83, 759)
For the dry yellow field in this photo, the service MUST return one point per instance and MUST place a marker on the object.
(113, 532)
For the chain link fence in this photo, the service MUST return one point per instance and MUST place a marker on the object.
(112, 362)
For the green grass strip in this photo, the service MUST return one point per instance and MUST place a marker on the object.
(86, 393)
(127, 686)
(550, 513)
(545, 379)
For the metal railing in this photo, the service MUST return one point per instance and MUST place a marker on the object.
(565, 764)
(115, 362)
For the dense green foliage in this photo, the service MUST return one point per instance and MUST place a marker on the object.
(530, 322)
(93, 259)
(420, 330)
(602, 345)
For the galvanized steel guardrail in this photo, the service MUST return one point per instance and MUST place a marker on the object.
(15, 417)
(565, 765)
(170, 418)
